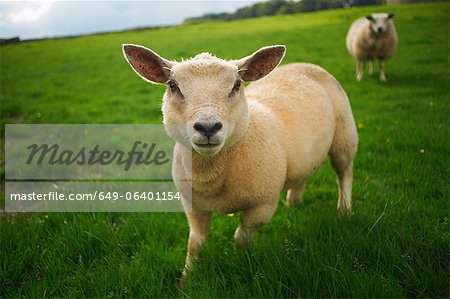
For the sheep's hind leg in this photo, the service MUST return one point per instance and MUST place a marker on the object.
(359, 70)
(342, 153)
(342, 163)
(370, 71)
(294, 195)
(382, 75)
(345, 178)
(251, 220)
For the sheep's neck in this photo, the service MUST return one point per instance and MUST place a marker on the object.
(208, 170)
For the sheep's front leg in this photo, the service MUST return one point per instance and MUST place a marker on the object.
(382, 75)
(359, 70)
(198, 231)
(251, 220)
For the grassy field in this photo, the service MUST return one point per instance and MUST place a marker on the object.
(396, 244)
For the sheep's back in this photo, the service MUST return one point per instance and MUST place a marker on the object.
(302, 97)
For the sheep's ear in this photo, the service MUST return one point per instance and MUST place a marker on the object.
(147, 64)
(391, 15)
(370, 18)
(260, 63)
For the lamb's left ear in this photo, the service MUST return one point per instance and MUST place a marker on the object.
(260, 63)
(147, 64)
(391, 15)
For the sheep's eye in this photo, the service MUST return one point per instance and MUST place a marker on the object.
(174, 87)
(236, 87)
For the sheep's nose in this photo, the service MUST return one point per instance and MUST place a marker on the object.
(380, 29)
(208, 129)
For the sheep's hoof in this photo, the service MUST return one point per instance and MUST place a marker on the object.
(242, 246)
(181, 282)
(383, 79)
(344, 212)
(291, 203)
(242, 241)
(359, 77)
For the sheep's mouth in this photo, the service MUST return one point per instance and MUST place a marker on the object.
(207, 149)
(207, 145)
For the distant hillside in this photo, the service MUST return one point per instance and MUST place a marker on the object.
(276, 7)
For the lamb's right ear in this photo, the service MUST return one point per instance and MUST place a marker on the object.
(260, 63)
(147, 64)
(370, 18)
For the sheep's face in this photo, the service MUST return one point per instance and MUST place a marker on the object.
(380, 22)
(205, 101)
(204, 106)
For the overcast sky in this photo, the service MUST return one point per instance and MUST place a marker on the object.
(36, 19)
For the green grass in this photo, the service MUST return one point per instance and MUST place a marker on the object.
(396, 244)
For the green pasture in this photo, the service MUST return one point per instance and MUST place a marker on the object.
(396, 243)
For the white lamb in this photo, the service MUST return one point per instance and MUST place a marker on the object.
(369, 38)
(249, 143)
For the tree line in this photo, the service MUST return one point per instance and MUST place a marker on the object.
(276, 7)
